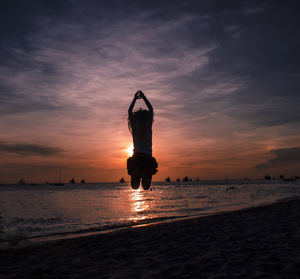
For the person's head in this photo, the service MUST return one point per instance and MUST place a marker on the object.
(140, 121)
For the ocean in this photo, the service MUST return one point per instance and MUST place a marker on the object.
(31, 212)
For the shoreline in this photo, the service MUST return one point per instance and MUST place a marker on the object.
(44, 240)
(257, 242)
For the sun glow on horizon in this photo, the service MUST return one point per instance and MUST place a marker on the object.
(129, 150)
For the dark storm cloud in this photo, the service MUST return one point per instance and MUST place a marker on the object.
(28, 149)
(283, 157)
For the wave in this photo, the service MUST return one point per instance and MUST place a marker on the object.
(19, 237)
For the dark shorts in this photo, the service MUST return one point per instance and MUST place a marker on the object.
(142, 162)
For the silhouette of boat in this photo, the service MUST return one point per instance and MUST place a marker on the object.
(72, 181)
(22, 181)
(186, 179)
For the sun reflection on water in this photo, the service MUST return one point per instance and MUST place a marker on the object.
(139, 205)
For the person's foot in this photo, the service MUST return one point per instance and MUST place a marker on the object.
(146, 180)
(135, 180)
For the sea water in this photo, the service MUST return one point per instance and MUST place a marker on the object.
(36, 211)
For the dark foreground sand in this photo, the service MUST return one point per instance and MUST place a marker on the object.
(260, 242)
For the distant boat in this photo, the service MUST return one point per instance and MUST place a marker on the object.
(168, 179)
(186, 179)
(72, 181)
(122, 180)
(22, 181)
(267, 177)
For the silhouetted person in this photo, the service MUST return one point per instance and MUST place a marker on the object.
(141, 166)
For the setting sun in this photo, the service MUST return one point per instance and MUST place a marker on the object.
(129, 150)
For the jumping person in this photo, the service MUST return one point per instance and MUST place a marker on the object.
(141, 166)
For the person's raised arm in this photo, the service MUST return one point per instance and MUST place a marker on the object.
(136, 96)
(148, 104)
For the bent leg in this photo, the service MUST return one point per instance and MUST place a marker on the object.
(135, 180)
(133, 171)
(146, 180)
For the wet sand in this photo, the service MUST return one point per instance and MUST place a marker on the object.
(262, 242)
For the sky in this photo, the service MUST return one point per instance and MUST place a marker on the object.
(223, 78)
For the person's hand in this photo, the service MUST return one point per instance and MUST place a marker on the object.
(137, 95)
(141, 94)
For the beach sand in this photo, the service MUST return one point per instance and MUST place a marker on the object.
(262, 242)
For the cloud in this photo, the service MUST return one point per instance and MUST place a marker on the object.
(213, 70)
(24, 149)
(283, 157)
(195, 50)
